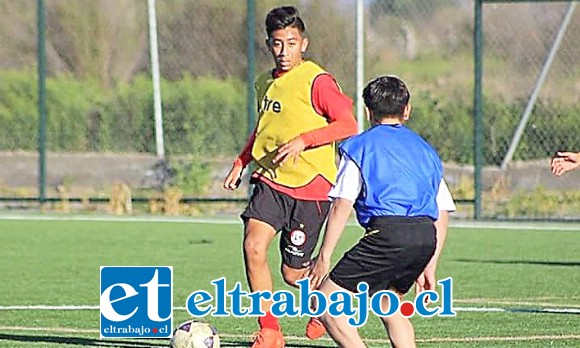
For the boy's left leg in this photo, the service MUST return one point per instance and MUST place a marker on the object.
(344, 334)
(399, 328)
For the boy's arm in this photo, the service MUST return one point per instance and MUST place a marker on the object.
(427, 280)
(232, 180)
(245, 156)
(441, 225)
(564, 162)
(446, 204)
(337, 218)
(345, 191)
(330, 102)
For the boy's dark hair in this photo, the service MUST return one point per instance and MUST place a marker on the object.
(283, 17)
(386, 96)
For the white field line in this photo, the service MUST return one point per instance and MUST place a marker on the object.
(47, 308)
(507, 225)
(106, 218)
(571, 310)
(298, 338)
(515, 303)
(491, 338)
(513, 299)
(49, 329)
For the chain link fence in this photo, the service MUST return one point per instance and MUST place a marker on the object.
(100, 111)
(531, 107)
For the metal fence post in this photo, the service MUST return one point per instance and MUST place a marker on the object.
(251, 73)
(41, 47)
(477, 109)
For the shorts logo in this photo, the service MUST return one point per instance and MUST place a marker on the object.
(136, 302)
(298, 237)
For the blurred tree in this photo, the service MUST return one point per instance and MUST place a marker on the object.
(105, 40)
(390, 7)
(17, 34)
(202, 38)
(407, 8)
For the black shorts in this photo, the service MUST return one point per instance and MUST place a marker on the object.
(392, 254)
(299, 221)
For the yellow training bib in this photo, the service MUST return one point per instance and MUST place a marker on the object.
(285, 112)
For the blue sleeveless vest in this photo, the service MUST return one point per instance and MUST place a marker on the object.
(401, 173)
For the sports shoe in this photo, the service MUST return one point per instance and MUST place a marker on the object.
(268, 338)
(315, 329)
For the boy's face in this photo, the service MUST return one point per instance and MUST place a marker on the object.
(287, 46)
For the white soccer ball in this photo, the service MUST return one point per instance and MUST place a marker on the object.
(195, 334)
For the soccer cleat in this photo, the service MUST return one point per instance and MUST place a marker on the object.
(268, 338)
(315, 329)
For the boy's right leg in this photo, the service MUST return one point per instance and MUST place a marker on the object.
(257, 237)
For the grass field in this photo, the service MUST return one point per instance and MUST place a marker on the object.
(513, 287)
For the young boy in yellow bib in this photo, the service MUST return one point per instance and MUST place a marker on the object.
(302, 113)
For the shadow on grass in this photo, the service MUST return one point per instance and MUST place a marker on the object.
(524, 262)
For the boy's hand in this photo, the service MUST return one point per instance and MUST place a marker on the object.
(233, 179)
(565, 162)
(318, 272)
(425, 282)
(290, 150)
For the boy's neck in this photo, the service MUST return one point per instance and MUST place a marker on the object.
(392, 121)
(278, 73)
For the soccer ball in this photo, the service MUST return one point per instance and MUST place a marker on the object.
(195, 334)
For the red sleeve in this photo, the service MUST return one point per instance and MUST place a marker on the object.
(246, 156)
(336, 107)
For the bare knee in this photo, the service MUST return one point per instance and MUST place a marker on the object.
(254, 250)
(292, 275)
(289, 280)
(258, 236)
